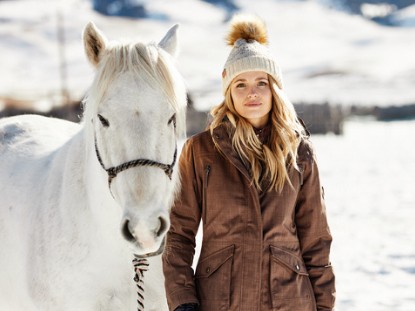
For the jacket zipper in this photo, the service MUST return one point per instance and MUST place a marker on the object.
(204, 207)
(207, 175)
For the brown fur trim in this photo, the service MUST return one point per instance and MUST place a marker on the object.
(247, 27)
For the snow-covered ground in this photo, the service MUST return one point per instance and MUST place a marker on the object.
(368, 176)
(325, 55)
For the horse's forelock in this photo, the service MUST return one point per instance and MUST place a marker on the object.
(158, 66)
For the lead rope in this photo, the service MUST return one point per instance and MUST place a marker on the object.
(140, 266)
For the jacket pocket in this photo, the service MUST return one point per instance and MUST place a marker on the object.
(289, 282)
(213, 278)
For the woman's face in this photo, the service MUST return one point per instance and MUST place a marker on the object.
(252, 97)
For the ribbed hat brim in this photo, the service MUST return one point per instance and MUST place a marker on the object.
(251, 63)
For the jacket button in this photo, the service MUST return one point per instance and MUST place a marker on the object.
(207, 269)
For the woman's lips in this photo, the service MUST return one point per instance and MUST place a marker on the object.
(252, 104)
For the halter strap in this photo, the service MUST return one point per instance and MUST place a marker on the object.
(113, 171)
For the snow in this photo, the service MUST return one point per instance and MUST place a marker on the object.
(367, 175)
(370, 10)
(325, 55)
(405, 17)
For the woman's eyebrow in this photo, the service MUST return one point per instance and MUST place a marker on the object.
(239, 80)
(256, 79)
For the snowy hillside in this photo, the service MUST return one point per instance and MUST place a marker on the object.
(325, 55)
(405, 17)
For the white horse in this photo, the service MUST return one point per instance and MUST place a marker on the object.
(77, 201)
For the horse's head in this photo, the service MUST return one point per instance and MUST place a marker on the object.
(135, 113)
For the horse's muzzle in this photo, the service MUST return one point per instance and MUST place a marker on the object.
(145, 238)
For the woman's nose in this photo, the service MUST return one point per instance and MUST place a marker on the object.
(252, 93)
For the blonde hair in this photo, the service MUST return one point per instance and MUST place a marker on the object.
(269, 162)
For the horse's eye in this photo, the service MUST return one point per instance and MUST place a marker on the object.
(172, 119)
(103, 121)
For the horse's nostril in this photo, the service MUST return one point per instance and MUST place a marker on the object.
(126, 232)
(162, 228)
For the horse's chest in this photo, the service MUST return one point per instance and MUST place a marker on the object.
(86, 290)
(117, 300)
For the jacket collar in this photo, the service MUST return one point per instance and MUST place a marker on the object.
(222, 137)
(264, 133)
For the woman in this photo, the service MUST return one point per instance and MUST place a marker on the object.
(253, 181)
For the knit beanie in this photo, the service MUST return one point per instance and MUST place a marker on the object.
(248, 38)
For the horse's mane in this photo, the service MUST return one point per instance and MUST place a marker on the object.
(146, 60)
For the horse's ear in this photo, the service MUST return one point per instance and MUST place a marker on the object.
(169, 42)
(94, 43)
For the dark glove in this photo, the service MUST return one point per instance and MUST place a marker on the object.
(188, 307)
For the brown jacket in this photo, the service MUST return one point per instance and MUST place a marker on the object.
(260, 251)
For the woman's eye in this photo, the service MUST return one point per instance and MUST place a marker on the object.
(172, 120)
(103, 121)
(240, 85)
(262, 83)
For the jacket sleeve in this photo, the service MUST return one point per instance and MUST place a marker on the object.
(313, 230)
(180, 243)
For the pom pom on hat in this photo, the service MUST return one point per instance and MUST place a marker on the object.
(247, 27)
(248, 36)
